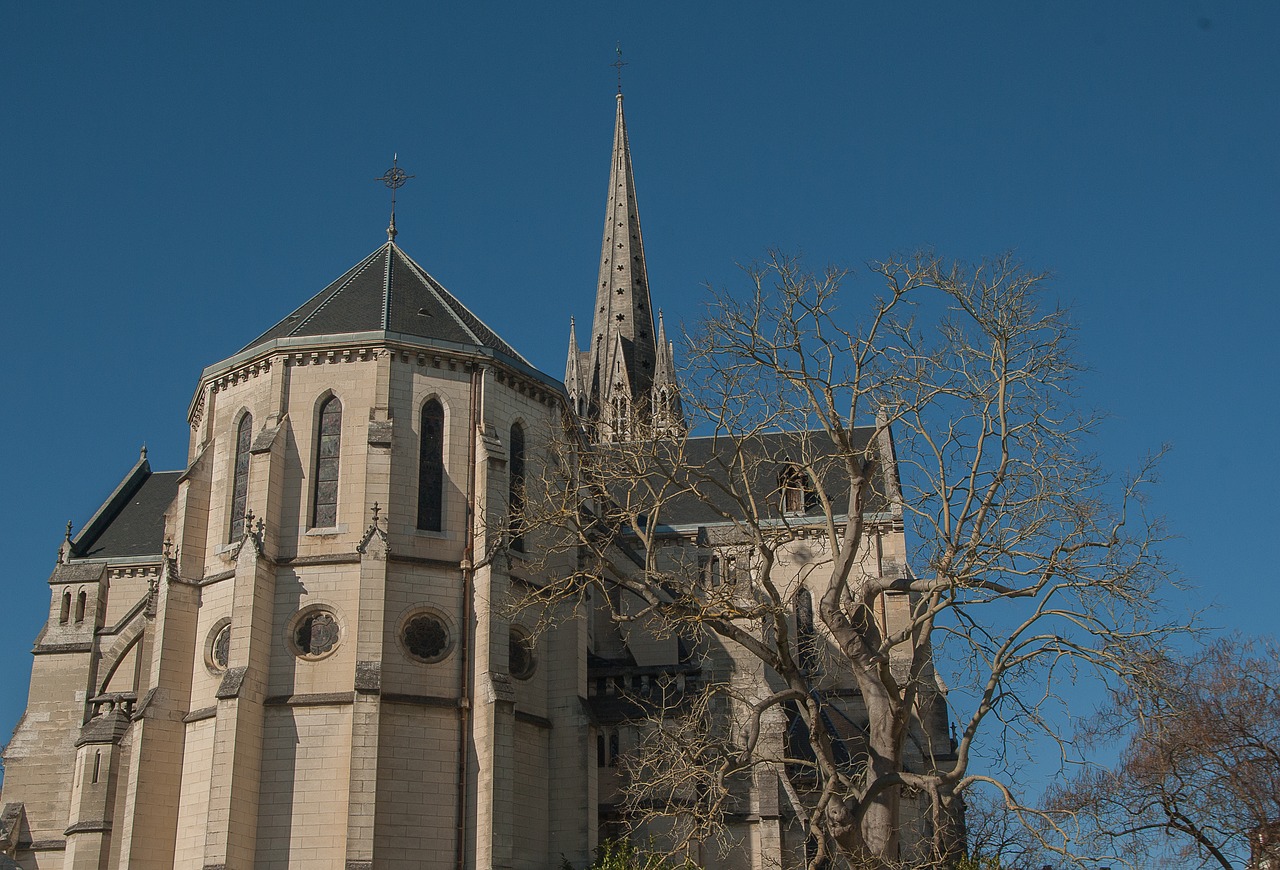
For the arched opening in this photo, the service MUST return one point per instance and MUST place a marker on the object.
(81, 600)
(515, 500)
(806, 638)
(431, 468)
(65, 614)
(324, 511)
(240, 478)
(796, 490)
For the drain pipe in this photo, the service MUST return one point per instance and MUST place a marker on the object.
(464, 641)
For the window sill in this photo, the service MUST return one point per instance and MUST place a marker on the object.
(327, 531)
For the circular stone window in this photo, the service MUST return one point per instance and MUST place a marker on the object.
(314, 634)
(218, 650)
(425, 637)
(521, 663)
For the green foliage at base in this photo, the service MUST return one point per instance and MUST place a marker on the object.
(626, 855)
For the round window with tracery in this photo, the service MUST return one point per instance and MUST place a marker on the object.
(315, 634)
(425, 637)
(220, 652)
(217, 646)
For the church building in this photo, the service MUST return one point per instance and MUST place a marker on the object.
(293, 652)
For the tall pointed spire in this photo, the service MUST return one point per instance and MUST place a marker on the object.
(618, 370)
(623, 309)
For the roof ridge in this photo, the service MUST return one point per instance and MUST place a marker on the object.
(457, 308)
(386, 281)
(355, 272)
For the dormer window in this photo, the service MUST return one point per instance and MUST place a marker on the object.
(796, 491)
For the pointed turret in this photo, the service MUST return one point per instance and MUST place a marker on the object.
(622, 333)
(668, 413)
(573, 373)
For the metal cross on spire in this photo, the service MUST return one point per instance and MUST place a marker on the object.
(618, 65)
(394, 178)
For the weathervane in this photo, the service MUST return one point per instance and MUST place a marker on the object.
(394, 178)
(618, 65)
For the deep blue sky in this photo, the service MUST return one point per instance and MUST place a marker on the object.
(175, 177)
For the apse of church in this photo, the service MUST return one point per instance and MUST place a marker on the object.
(288, 654)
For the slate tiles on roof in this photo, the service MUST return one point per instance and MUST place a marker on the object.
(700, 491)
(388, 291)
(136, 527)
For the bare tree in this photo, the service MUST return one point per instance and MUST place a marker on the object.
(1200, 772)
(945, 413)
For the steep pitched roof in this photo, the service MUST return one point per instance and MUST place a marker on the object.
(696, 475)
(131, 520)
(388, 292)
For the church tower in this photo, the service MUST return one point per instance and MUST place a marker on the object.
(623, 387)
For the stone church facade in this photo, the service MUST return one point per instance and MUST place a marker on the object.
(294, 653)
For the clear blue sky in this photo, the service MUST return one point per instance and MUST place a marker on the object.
(176, 177)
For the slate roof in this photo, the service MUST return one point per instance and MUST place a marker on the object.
(388, 292)
(131, 521)
(699, 497)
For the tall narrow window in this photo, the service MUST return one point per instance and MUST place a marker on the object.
(515, 502)
(65, 613)
(431, 468)
(806, 639)
(240, 477)
(325, 512)
(81, 600)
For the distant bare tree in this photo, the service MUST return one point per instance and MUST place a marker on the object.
(1028, 564)
(1200, 772)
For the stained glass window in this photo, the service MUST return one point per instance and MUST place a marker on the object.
(240, 477)
(325, 512)
(515, 502)
(431, 468)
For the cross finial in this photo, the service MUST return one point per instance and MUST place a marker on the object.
(68, 530)
(618, 65)
(375, 510)
(394, 178)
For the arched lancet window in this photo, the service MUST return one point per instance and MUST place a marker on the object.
(81, 600)
(714, 571)
(431, 468)
(621, 419)
(65, 614)
(240, 477)
(515, 501)
(806, 639)
(324, 514)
